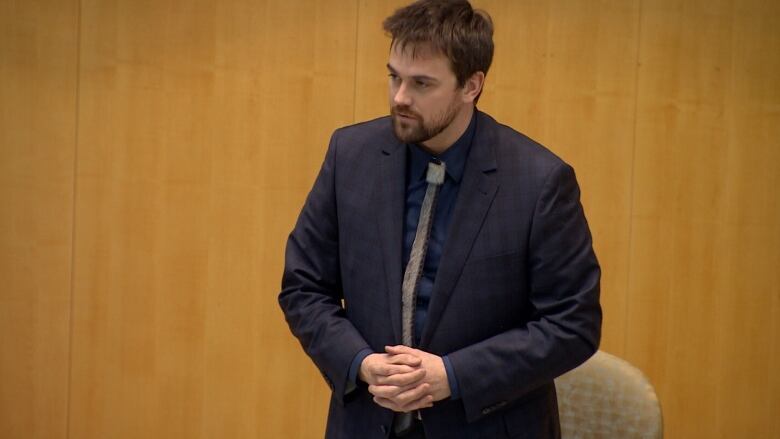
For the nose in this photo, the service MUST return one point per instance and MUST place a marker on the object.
(401, 95)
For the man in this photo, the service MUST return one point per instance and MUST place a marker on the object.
(441, 272)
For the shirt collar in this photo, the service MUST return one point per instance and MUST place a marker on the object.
(454, 157)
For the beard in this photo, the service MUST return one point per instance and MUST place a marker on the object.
(415, 129)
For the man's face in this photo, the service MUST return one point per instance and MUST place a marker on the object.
(424, 94)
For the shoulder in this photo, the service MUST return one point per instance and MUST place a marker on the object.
(357, 150)
(517, 154)
(372, 132)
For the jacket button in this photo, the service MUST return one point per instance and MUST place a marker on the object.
(486, 411)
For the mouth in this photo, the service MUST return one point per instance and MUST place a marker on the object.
(407, 116)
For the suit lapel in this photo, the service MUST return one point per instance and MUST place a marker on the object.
(476, 193)
(390, 198)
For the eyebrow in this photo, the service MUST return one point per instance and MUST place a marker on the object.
(415, 77)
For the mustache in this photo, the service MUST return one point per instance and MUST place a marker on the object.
(398, 110)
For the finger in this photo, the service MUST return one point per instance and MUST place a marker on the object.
(422, 403)
(407, 359)
(392, 369)
(409, 396)
(400, 349)
(389, 392)
(402, 379)
(393, 392)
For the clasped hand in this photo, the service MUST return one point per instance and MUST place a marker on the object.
(404, 379)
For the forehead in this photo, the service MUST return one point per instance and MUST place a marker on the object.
(418, 59)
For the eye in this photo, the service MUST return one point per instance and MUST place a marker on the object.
(393, 76)
(421, 84)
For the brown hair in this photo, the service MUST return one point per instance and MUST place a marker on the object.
(464, 35)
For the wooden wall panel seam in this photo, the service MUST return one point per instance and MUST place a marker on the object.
(74, 197)
(637, 65)
(547, 61)
(355, 70)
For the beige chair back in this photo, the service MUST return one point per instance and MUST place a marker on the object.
(608, 398)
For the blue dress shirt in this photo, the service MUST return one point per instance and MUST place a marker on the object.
(417, 165)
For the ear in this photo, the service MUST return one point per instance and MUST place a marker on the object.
(473, 87)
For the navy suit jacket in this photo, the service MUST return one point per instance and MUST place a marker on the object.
(516, 297)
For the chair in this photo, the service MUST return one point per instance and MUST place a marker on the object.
(607, 397)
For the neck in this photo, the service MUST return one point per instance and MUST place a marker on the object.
(442, 141)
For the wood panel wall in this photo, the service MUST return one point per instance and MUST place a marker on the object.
(38, 87)
(154, 155)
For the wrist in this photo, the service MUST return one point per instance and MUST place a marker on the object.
(356, 368)
(363, 374)
(445, 391)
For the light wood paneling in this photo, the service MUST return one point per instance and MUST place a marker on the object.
(373, 48)
(38, 46)
(203, 126)
(703, 285)
(748, 353)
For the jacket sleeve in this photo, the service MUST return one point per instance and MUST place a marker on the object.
(311, 296)
(565, 327)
